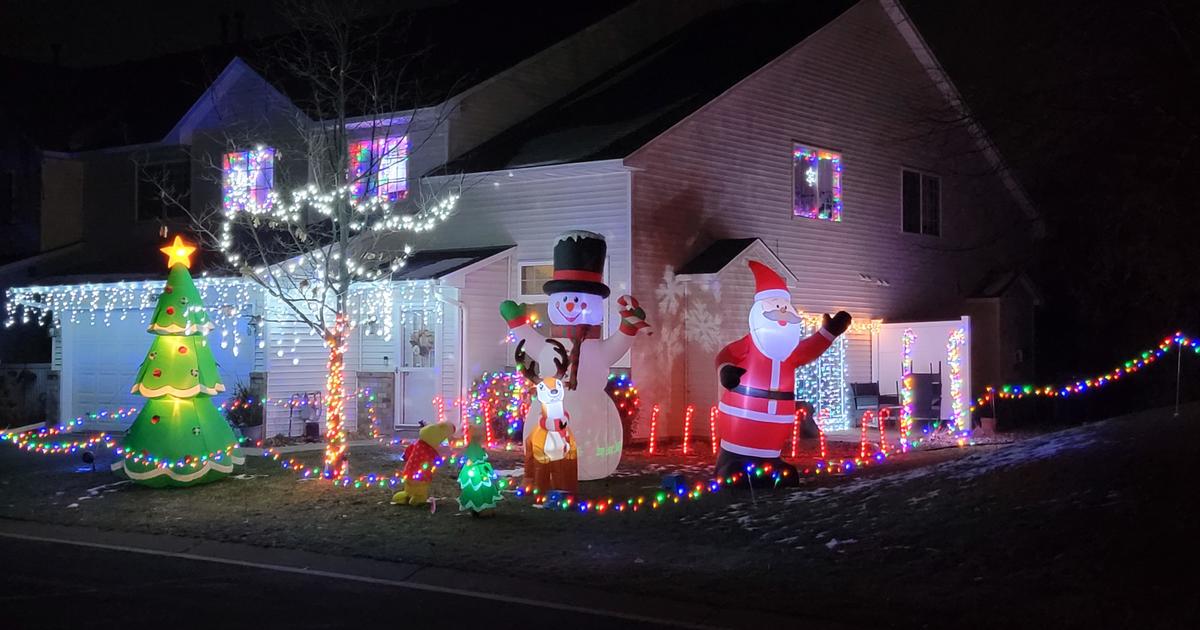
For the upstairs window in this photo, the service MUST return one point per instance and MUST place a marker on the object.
(817, 179)
(247, 179)
(921, 201)
(379, 168)
(163, 189)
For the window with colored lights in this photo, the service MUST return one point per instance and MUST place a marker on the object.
(247, 178)
(921, 203)
(379, 168)
(817, 183)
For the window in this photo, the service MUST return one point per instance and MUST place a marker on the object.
(921, 200)
(417, 339)
(817, 179)
(247, 178)
(379, 168)
(163, 189)
(533, 276)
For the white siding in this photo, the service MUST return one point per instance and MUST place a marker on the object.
(725, 172)
(307, 376)
(482, 294)
(530, 207)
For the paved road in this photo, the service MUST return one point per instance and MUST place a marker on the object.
(52, 585)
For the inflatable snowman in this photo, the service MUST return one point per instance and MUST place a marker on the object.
(576, 309)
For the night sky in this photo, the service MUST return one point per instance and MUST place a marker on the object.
(1093, 103)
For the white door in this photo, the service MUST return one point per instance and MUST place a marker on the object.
(416, 383)
(932, 346)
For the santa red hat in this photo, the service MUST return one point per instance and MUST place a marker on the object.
(767, 283)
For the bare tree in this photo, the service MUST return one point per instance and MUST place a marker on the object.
(321, 252)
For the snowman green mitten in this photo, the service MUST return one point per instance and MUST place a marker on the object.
(514, 314)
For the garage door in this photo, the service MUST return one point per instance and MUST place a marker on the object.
(100, 363)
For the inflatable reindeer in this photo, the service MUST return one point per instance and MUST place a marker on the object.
(551, 459)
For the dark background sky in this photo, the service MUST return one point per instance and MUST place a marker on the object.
(1094, 103)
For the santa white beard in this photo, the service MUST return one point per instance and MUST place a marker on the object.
(775, 341)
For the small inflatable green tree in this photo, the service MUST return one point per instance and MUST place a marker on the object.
(480, 490)
(180, 437)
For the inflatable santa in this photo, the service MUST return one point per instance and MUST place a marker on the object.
(758, 377)
(576, 308)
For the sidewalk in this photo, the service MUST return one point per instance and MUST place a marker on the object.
(554, 596)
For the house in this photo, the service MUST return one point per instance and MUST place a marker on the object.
(797, 134)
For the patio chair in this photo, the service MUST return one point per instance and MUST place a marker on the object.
(864, 396)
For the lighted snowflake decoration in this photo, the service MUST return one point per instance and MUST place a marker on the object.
(810, 177)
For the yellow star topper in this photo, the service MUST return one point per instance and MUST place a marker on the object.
(178, 252)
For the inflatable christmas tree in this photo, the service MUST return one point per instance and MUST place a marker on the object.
(180, 437)
(480, 492)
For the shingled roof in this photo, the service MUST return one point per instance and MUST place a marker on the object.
(441, 50)
(625, 108)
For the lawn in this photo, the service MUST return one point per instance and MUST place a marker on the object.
(998, 535)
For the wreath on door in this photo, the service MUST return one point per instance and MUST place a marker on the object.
(422, 342)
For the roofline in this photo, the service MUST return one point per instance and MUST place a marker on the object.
(755, 240)
(235, 65)
(920, 48)
(598, 167)
(763, 68)
(507, 252)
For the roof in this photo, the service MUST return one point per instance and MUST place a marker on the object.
(441, 50)
(119, 264)
(998, 282)
(437, 263)
(626, 107)
(716, 256)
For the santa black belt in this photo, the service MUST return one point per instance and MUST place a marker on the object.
(755, 392)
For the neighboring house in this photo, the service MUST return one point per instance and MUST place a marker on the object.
(693, 140)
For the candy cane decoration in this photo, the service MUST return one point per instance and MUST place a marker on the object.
(687, 427)
(867, 417)
(801, 414)
(440, 405)
(884, 415)
(487, 424)
(653, 426)
(712, 428)
(821, 418)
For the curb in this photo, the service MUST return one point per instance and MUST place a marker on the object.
(557, 596)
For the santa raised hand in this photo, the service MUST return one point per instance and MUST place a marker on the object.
(758, 376)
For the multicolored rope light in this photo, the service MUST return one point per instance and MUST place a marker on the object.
(1178, 341)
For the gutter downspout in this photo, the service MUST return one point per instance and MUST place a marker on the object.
(462, 344)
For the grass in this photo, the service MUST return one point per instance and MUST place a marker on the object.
(935, 535)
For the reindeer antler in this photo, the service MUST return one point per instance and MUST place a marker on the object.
(528, 366)
(562, 361)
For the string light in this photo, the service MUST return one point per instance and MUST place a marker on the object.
(1178, 341)
(687, 427)
(822, 383)
(867, 417)
(336, 464)
(712, 429)
(907, 383)
(954, 346)
(653, 426)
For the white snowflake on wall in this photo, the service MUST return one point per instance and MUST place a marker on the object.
(669, 293)
(703, 327)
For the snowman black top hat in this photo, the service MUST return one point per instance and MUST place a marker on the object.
(579, 264)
